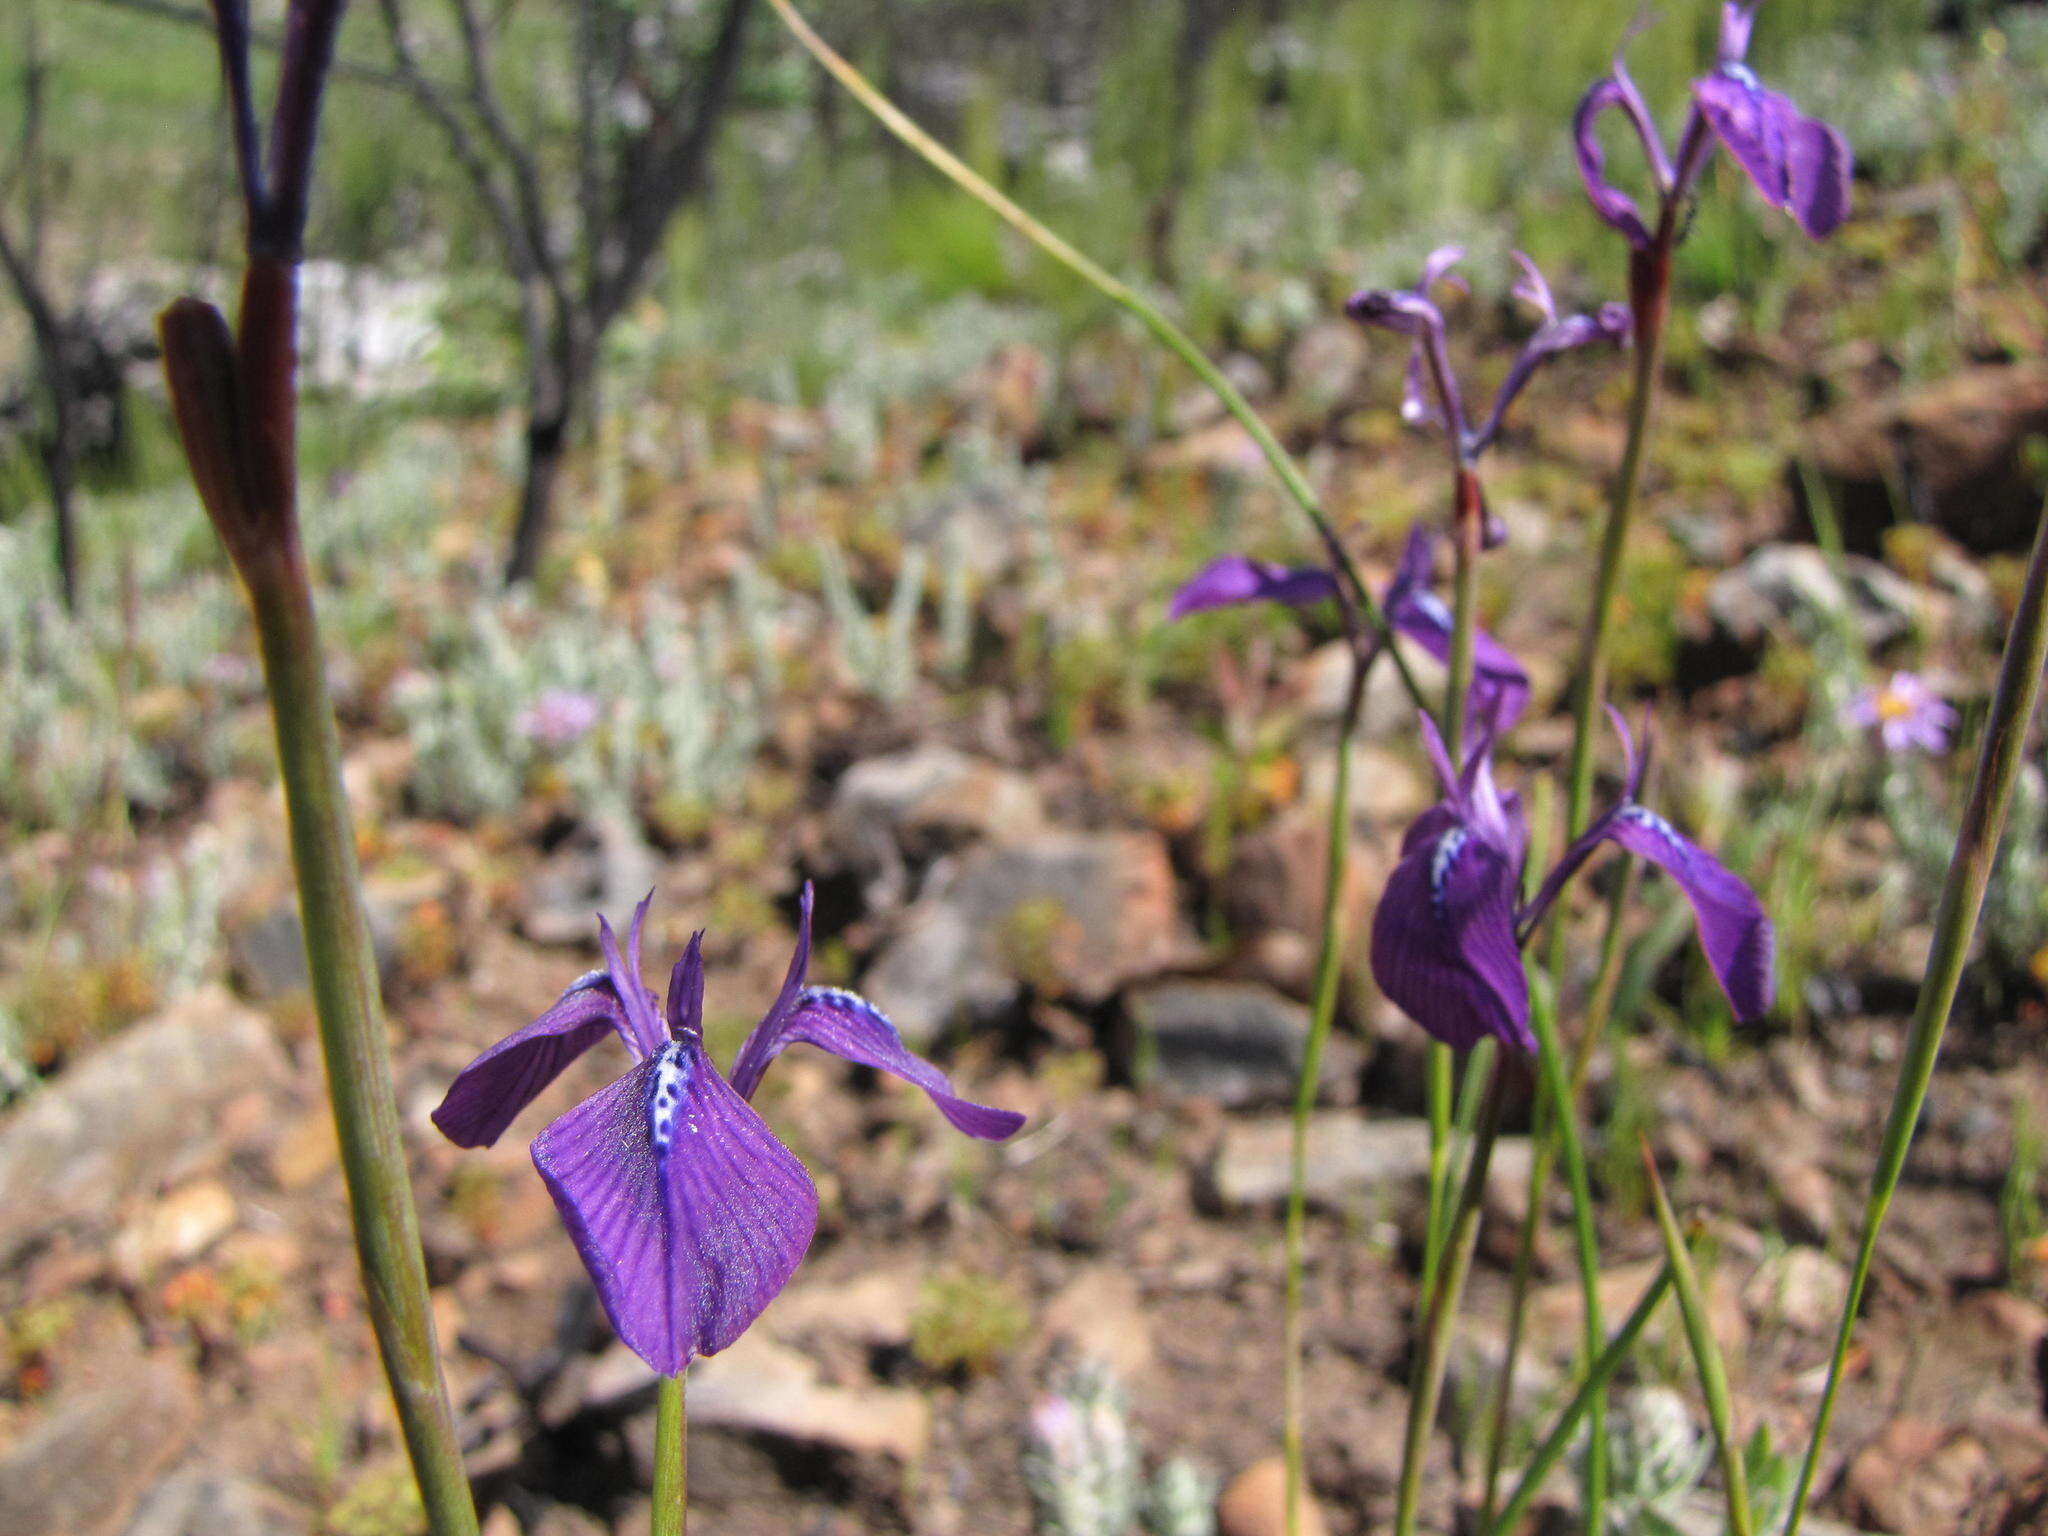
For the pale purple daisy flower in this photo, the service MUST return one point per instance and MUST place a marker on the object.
(558, 717)
(1447, 936)
(1800, 164)
(1907, 714)
(688, 1212)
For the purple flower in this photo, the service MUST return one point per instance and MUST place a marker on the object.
(688, 1213)
(1798, 163)
(558, 717)
(1500, 686)
(1430, 395)
(1907, 714)
(1447, 937)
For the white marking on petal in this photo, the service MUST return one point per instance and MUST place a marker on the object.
(1448, 847)
(665, 1094)
(1643, 816)
(1432, 607)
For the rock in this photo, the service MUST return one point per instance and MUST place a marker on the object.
(764, 1388)
(1323, 366)
(1255, 1504)
(128, 1116)
(1805, 1196)
(1801, 1287)
(1555, 1310)
(1071, 914)
(1953, 452)
(1793, 586)
(1101, 1314)
(177, 1228)
(266, 950)
(1236, 1042)
(889, 813)
(213, 1504)
(605, 867)
(873, 1309)
(81, 1470)
(1348, 1157)
(1919, 1476)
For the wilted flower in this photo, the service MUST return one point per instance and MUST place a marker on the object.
(688, 1213)
(1798, 163)
(1430, 394)
(1500, 686)
(1447, 937)
(558, 717)
(1908, 715)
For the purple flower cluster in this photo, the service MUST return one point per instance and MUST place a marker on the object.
(688, 1212)
(1798, 163)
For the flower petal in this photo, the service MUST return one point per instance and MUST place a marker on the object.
(1614, 206)
(1609, 323)
(1734, 931)
(683, 1012)
(1231, 579)
(1443, 942)
(1737, 22)
(1819, 168)
(488, 1094)
(1798, 163)
(1532, 288)
(688, 1213)
(1500, 685)
(851, 1027)
(643, 1023)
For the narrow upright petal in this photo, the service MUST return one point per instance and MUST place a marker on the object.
(688, 1213)
(1610, 323)
(488, 1094)
(644, 1031)
(1443, 940)
(683, 1011)
(1738, 21)
(1532, 288)
(1231, 579)
(1734, 931)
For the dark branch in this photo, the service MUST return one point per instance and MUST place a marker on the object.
(310, 30)
(262, 37)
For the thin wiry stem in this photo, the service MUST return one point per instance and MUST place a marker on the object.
(1559, 1440)
(1955, 921)
(1329, 971)
(954, 169)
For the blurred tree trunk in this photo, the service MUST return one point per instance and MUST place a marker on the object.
(649, 100)
(1202, 22)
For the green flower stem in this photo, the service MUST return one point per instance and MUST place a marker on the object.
(352, 1039)
(1599, 1010)
(1471, 1094)
(671, 1459)
(1354, 594)
(1706, 1356)
(1441, 1316)
(1329, 973)
(1594, 1387)
(1468, 517)
(1955, 921)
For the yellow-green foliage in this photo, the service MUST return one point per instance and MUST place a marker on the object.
(966, 1322)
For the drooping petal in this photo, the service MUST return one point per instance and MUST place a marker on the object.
(1500, 684)
(643, 1024)
(1798, 163)
(688, 1213)
(683, 1011)
(1734, 931)
(1615, 207)
(851, 1027)
(1443, 941)
(1231, 579)
(1819, 169)
(1609, 323)
(488, 1094)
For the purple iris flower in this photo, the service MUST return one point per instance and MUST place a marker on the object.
(1430, 395)
(1798, 163)
(1907, 715)
(1500, 686)
(688, 1213)
(1448, 934)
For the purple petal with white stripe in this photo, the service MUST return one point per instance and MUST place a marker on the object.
(688, 1213)
(1232, 579)
(851, 1027)
(1734, 931)
(1500, 685)
(1443, 941)
(488, 1094)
